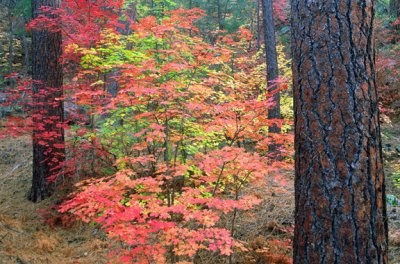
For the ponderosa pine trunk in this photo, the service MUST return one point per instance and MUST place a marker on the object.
(48, 135)
(272, 67)
(340, 214)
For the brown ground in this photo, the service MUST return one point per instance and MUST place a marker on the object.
(391, 136)
(24, 238)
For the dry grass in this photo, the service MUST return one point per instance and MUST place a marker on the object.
(24, 238)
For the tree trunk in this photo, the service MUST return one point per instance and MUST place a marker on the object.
(1, 49)
(219, 15)
(340, 214)
(272, 67)
(10, 38)
(26, 44)
(394, 8)
(48, 137)
(258, 25)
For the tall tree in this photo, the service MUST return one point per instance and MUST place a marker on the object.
(394, 6)
(26, 47)
(258, 9)
(1, 48)
(11, 5)
(48, 135)
(340, 214)
(272, 64)
(219, 15)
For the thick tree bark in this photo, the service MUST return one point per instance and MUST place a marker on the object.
(272, 67)
(48, 136)
(340, 214)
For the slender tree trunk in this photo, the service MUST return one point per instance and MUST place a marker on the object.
(272, 68)
(340, 214)
(258, 25)
(48, 137)
(219, 15)
(394, 8)
(25, 43)
(1, 49)
(10, 38)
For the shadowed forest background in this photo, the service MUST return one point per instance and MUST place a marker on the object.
(162, 131)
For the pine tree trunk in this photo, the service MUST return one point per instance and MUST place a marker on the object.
(47, 88)
(272, 68)
(340, 214)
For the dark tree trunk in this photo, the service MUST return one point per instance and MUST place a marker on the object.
(26, 44)
(130, 12)
(10, 38)
(47, 89)
(258, 25)
(1, 48)
(271, 60)
(219, 15)
(272, 68)
(340, 214)
(394, 8)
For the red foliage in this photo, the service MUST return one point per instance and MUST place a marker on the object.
(171, 148)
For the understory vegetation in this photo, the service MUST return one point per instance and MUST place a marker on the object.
(167, 143)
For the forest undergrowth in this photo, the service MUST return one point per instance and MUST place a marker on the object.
(28, 234)
(167, 136)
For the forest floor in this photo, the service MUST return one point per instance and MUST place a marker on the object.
(391, 154)
(25, 238)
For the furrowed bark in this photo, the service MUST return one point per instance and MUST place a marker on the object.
(47, 89)
(340, 214)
